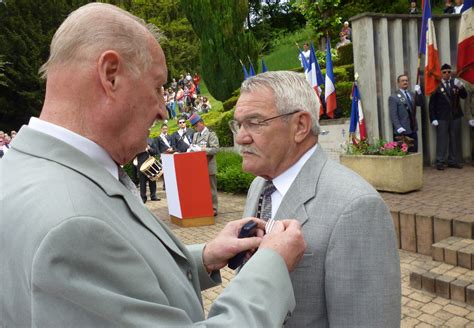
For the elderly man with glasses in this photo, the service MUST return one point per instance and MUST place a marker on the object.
(350, 273)
(445, 115)
(182, 138)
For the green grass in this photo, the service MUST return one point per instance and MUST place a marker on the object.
(284, 53)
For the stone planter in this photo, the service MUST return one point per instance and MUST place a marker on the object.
(388, 173)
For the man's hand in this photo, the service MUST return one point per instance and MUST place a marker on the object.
(458, 83)
(434, 123)
(226, 245)
(400, 130)
(418, 89)
(471, 123)
(286, 238)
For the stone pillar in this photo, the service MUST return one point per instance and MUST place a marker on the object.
(364, 65)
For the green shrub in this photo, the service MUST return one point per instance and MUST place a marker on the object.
(345, 55)
(343, 93)
(349, 70)
(230, 103)
(230, 177)
(219, 123)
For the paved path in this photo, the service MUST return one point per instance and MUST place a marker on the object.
(450, 190)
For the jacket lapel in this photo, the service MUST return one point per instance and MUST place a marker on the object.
(44, 146)
(303, 188)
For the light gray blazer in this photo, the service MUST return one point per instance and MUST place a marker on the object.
(350, 273)
(212, 147)
(77, 249)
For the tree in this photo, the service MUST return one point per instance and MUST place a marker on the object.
(321, 14)
(180, 43)
(220, 27)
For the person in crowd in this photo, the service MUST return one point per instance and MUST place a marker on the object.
(78, 246)
(171, 104)
(181, 81)
(196, 81)
(306, 53)
(206, 140)
(350, 273)
(402, 107)
(413, 8)
(183, 137)
(448, 7)
(191, 96)
(458, 6)
(445, 115)
(347, 30)
(174, 85)
(343, 40)
(205, 105)
(180, 97)
(3, 146)
(188, 78)
(13, 134)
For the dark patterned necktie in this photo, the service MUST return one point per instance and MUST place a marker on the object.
(264, 210)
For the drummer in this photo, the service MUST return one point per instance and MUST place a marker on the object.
(151, 150)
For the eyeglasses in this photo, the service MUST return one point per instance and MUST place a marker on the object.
(181, 122)
(254, 125)
(445, 72)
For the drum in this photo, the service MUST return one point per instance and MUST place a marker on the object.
(152, 169)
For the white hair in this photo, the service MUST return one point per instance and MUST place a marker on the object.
(96, 27)
(291, 91)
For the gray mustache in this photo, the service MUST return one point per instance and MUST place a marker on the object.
(247, 149)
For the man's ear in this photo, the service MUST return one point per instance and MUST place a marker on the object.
(109, 68)
(303, 126)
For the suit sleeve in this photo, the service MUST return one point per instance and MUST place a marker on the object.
(86, 274)
(432, 106)
(213, 144)
(393, 109)
(363, 268)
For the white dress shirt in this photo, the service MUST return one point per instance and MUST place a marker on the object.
(87, 146)
(284, 181)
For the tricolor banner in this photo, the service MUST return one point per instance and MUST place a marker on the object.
(357, 115)
(311, 71)
(465, 61)
(329, 89)
(429, 48)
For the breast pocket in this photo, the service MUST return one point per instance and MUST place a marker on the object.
(306, 261)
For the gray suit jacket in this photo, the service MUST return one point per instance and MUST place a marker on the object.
(350, 273)
(78, 249)
(400, 109)
(209, 138)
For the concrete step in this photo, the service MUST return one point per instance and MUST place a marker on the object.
(444, 280)
(455, 251)
(417, 228)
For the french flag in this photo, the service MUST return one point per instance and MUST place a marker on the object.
(329, 89)
(312, 69)
(429, 48)
(357, 115)
(465, 62)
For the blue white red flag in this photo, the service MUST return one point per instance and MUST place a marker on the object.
(244, 69)
(319, 74)
(264, 67)
(429, 48)
(465, 61)
(251, 71)
(330, 89)
(357, 114)
(311, 71)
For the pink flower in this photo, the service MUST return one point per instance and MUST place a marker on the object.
(390, 145)
(404, 147)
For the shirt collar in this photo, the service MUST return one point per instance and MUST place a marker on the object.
(284, 181)
(87, 146)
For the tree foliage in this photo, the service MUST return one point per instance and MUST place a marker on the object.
(27, 27)
(220, 26)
